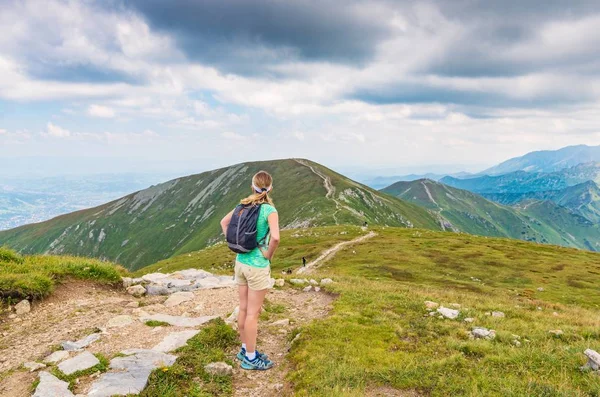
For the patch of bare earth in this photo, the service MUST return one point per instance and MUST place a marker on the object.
(75, 310)
(300, 308)
(386, 391)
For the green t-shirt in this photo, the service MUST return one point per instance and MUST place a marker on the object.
(255, 257)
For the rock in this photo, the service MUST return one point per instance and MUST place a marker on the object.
(498, 314)
(192, 274)
(23, 307)
(174, 341)
(133, 304)
(178, 298)
(326, 281)
(469, 320)
(155, 290)
(279, 282)
(313, 282)
(593, 359)
(119, 321)
(18, 320)
(448, 313)
(81, 362)
(154, 278)
(132, 372)
(57, 356)
(137, 281)
(136, 290)
(219, 369)
(32, 366)
(127, 282)
(51, 386)
(307, 289)
(431, 314)
(281, 323)
(80, 344)
(296, 281)
(554, 313)
(317, 289)
(483, 333)
(179, 321)
(233, 317)
(12, 316)
(431, 305)
(516, 343)
(455, 305)
(540, 289)
(556, 332)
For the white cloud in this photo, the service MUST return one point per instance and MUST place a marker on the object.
(57, 131)
(101, 111)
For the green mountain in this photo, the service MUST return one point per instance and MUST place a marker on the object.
(525, 182)
(540, 221)
(582, 199)
(547, 160)
(183, 215)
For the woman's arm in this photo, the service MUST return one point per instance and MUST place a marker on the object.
(273, 220)
(225, 222)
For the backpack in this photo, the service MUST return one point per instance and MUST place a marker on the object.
(241, 232)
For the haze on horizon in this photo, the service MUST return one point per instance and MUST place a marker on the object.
(115, 86)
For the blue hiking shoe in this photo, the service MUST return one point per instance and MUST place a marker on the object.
(258, 364)
(240, 356)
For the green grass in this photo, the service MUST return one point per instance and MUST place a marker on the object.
(187, 376)
(295, 244)
(102, 366)
(155, 323)
(36, 276)
(379, 333)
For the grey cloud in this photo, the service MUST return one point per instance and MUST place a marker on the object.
(243, 36)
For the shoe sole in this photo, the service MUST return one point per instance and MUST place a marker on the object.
(253, 368)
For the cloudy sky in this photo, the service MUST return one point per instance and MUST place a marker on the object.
(192, 85)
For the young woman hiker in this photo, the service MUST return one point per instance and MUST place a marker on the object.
(253, 270)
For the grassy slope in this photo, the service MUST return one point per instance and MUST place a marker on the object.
(582, 199)
(380, 334)
(183, 215)
(536, 221)
(35, 276)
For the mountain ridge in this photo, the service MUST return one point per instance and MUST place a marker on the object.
(183, 214)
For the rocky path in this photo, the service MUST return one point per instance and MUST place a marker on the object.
(82, 323)
(327, 254)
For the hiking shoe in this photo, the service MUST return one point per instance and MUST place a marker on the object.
(258, 364)
(240, 356)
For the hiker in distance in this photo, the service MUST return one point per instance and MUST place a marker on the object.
(252, 231)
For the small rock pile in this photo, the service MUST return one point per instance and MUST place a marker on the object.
(181, 281)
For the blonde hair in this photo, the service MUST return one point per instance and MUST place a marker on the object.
(262, 182)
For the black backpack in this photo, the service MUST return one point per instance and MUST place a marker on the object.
(241, 232)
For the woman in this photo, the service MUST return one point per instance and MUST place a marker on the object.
(253, 270)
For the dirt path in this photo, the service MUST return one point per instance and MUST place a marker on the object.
(330, 192)
(332, 251)
(300, 308)
(77, 309)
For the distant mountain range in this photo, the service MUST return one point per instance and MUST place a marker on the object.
(461, 210)
(547, 160)
(183, 215)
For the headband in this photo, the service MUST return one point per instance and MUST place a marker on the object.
(261, 190)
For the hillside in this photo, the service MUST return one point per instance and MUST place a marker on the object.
(183, 214)
(547, 160)
(377, 321)
(582, 199)
(543, 222)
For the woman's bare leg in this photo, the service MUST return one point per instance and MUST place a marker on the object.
(243, 293)
(255, 302)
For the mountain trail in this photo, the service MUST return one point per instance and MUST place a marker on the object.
(275, 340)
(330, 188)
(79, 309)
(327, 254)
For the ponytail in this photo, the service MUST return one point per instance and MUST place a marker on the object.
(262, 183)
